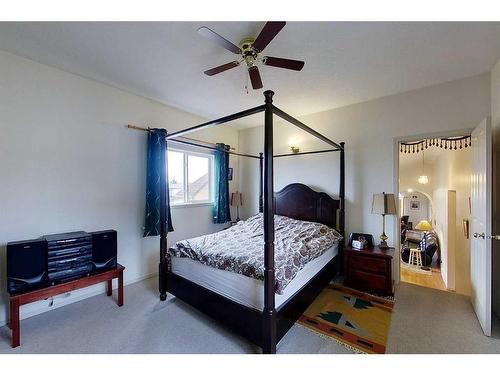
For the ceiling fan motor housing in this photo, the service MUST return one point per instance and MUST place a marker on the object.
(248, 52)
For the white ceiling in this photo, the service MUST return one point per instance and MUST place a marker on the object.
(346, 63)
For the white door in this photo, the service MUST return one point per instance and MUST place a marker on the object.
(481, 224)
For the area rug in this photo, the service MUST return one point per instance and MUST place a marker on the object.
(357, 320)
(423, 270)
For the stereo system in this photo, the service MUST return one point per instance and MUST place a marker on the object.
(57, 258)
(69, 256)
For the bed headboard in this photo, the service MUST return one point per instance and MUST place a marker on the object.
(299, 201)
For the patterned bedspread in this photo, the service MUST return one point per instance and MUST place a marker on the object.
(240, 248)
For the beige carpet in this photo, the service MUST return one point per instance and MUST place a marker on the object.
(424, 321)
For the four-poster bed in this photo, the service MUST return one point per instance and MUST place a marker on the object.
(266, 326)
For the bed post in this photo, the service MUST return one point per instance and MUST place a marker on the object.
(163, 266)
(269, 313)
(261, 167)
(342, 204)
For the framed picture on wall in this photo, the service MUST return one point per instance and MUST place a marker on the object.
(414, 205)
(230, 174)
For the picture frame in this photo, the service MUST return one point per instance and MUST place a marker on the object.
(230, 174)
(414, 205)
(368, 238)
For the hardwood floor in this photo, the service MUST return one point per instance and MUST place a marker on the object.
(434, 280)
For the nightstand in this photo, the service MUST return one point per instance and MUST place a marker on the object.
(369, 269)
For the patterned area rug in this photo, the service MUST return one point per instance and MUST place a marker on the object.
(357, 320)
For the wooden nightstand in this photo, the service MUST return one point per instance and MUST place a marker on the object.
(369, 269)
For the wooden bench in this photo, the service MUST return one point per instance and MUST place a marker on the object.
(16, 301)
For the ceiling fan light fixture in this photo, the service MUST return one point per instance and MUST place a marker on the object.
(423, 180)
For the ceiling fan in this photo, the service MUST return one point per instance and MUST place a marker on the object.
(249, 50)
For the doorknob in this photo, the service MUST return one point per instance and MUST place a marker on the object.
(494, 237)
(477, 235)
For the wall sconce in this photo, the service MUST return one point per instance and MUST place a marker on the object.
(295, 149)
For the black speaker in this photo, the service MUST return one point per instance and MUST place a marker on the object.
(26, 265)
(104, 248)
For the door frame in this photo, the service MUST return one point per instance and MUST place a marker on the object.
(396, 225)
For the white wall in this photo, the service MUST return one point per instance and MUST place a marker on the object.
(369, 130)
(459, 177)
(67, 162)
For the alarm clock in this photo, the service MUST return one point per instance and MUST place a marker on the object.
(357, 244)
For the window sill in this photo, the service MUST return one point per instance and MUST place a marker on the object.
(191, 205)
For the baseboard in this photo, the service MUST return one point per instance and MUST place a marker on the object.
(72, 299)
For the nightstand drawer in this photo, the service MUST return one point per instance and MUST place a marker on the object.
(368, 281)
(367, 264)
(369, 269)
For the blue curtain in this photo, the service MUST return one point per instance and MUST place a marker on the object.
(157, 165)
(222, 213)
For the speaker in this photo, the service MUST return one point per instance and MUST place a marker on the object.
(26, 265)
(104, 249)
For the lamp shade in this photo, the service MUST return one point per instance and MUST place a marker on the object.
(236, 199)
(384, 204)
(423, 225)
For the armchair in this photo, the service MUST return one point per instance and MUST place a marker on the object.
(428, 245)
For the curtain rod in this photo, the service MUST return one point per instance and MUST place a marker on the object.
(135, 127)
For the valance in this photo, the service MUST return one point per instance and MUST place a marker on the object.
(449, 143)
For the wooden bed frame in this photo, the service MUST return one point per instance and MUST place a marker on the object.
(263, 328)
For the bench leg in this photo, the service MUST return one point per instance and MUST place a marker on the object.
(109, 287)
(120, 289)
(14, 322)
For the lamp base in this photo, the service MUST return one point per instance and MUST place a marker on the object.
(383, 245)
(383, 240)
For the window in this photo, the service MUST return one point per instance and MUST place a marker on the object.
(190, 176)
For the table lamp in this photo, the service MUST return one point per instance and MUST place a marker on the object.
(424, 225)
(237, 201)
(383, 204)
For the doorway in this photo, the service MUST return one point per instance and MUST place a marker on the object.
(434, 212)
(416, 211)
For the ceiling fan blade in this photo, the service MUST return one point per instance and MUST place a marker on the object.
(220, 40)
(283, 63)
(253, 71)
(270, 30)
(221, 68)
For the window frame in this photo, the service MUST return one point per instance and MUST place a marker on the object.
(211, 177)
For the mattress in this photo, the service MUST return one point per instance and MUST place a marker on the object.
(243, 289)
(239, 248)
